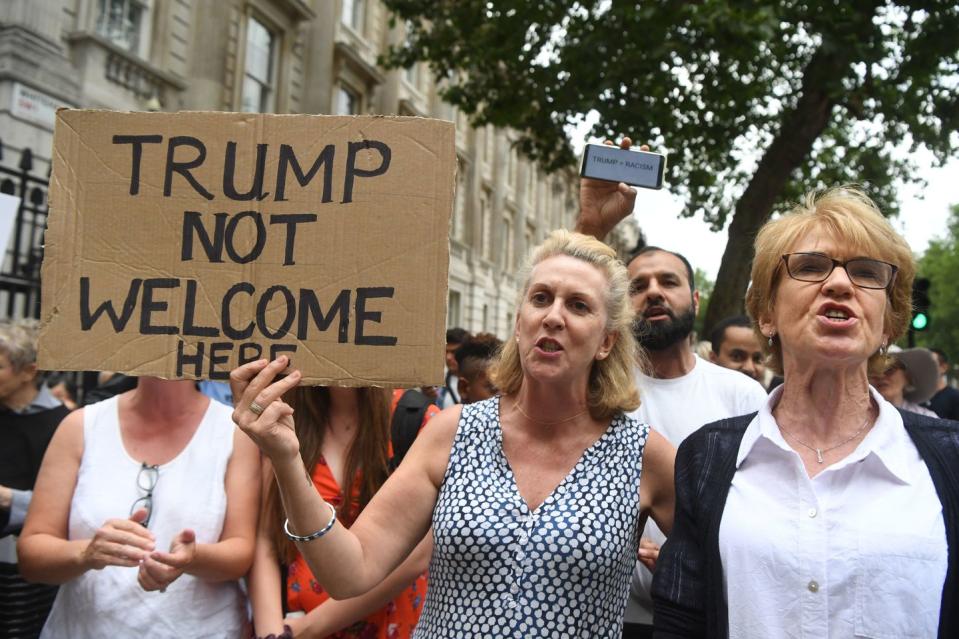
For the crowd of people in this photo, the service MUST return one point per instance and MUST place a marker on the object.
(594, 475)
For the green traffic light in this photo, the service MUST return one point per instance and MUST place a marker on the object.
(920, 321)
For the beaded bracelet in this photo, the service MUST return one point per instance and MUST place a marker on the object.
(319, 533)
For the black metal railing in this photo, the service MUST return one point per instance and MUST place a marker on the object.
(20, 267)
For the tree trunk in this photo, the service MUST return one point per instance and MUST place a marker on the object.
(800, 128)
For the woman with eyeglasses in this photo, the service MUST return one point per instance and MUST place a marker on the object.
(829, 513)
(145, 512)
(344, 436)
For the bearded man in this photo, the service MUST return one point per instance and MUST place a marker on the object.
(680, 391)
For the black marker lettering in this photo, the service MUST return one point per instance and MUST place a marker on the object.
(310, 307)
(229, 174)
(196, 360)
(263, 305)
(288, 159)
(352, 171)
(216, 359)
(228, 329)
(189, 316)
(362, 315)
(291, 221)
(249, 352)
(278, 349)
(183, 168)
(137, 141)
(257, 247)
(88, 319)
(148, 306)
(213, 248)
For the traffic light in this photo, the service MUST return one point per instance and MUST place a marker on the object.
(920, 304)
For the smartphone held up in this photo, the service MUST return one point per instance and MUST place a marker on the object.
(613, 164)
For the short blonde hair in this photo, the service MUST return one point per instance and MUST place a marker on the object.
(612, 385)
(853, 220)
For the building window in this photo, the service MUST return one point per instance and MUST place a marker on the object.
(511, 164)
(347, 101)
(490, 145)
(453, 314)
(259, 92)
(486, 318)
(412, 74)
(352, 15)
(508, 243)
(121, 22)
(485, 227)
(459, 208)
(548, 206)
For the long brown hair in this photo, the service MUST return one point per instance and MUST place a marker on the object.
(368, 452)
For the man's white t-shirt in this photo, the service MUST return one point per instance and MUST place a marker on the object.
(675, 408)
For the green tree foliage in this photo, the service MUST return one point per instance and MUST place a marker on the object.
(940, 263)
(756, 102)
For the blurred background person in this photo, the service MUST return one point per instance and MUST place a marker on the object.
(63, 386)
(473, 359)
(145, 512)
(28, 418)
(448, 394)
(945, 402)
(908, 380)
(829, 513)
(344, 436)
(735, 346)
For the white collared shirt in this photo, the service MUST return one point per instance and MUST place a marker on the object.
(859, 550)
(675, 407)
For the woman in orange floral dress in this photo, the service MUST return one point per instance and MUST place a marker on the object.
(344, 433)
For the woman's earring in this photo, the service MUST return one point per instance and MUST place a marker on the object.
(770, 339)
(885, 346)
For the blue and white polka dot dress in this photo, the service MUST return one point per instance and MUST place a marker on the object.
(563, 570)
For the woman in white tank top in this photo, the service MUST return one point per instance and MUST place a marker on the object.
(145, 511)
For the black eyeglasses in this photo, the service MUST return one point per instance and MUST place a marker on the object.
(146, 481)
(864, 272)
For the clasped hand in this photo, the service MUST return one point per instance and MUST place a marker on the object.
(119, 542)
(160, 569)
(127, 543)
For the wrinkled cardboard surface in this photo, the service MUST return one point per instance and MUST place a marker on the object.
(393, 234)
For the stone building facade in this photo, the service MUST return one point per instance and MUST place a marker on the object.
(283, 56)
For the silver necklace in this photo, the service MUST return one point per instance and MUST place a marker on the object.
(820, 451)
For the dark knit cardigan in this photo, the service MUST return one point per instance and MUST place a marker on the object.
(688, 583)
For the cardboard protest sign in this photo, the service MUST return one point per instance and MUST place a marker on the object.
(182, 245)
